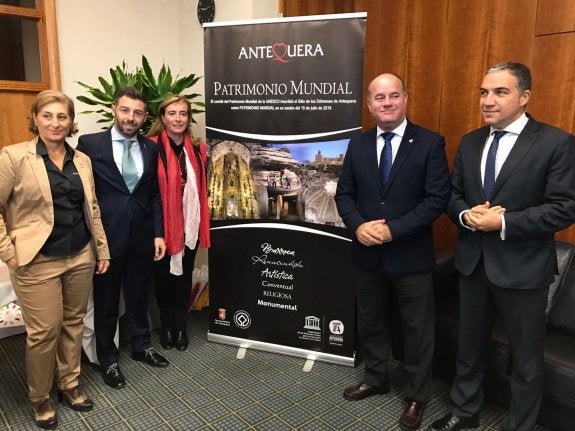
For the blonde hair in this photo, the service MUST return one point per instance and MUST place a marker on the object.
(52, 96)
(158, 125)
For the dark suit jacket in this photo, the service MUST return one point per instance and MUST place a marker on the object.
(415, 195)
(129, 219)
(536, 185)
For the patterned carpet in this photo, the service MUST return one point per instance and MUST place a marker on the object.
(207, 388)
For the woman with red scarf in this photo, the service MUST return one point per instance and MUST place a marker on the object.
(182, 181)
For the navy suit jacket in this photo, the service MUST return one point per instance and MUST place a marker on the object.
(416, 194)
(131, 220)
(536, 186)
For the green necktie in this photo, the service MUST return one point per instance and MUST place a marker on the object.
(129, 171)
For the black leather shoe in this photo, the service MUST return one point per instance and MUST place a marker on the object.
(167, 339)
(150, 357)
(450, 422)
(113, 377)
(181, 341)
(362, 390)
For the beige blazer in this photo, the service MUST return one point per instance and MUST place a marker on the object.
(26, 207)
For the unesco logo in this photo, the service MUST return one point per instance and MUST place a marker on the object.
(242, 319)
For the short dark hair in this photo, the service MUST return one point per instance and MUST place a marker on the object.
(132, 93)
(519, 70)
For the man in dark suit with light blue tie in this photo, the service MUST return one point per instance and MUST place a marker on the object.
(394, 183)
(513, 188)
(125, 173)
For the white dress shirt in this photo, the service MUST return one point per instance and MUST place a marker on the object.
(118, 149)
(506, 144)
(395, 141)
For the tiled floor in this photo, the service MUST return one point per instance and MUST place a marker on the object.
(207, 388)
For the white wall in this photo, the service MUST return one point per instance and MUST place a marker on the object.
(94, 36)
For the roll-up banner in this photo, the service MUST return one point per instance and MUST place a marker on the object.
(283, 97)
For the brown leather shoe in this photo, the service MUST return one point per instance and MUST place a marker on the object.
(411, 417)
(45, 415)
(362, 390)
(76, 398)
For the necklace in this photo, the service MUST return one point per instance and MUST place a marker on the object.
(182, 165)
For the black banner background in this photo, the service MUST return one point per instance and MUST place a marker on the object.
(280, 278)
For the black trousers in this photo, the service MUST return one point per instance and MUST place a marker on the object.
(130, 273)
(523, 313)
(414, 292)
(173, 291)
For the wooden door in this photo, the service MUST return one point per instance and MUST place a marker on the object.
(30, 64)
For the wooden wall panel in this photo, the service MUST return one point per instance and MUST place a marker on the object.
(388, 42)
(442, 49)
(464, 64)
(424, 79)
(555, 16)
(315, 7)
(553, 69)
(511, 31)
(14, 109)
(371, 64)
(425, 65)
(553, 95)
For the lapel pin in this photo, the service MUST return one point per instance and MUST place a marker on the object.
(410, 141)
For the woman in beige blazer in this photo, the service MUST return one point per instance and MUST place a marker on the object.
(52, 239)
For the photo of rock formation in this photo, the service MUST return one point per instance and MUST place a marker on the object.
(292, 182)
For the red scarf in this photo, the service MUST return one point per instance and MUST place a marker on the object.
(170, 183)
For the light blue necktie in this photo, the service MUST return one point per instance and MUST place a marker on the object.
(489, 175)
(129, 171)
(386, 157)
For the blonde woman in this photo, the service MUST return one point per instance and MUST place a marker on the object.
(182, 180)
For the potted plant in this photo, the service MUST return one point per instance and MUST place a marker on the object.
(153, 88)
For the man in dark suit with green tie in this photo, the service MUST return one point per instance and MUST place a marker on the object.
(125, 174)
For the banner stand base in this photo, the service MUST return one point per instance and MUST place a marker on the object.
(308, 365)
(309, 355)
(241, 353)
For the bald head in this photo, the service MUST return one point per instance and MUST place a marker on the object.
(385, 76)
(387, 101)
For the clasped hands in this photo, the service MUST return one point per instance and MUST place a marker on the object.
(484, 217)
(373, 232)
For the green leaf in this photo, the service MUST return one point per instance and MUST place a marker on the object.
(147, 72)
(154, 89)
(191, 96)
(105, 85)
(87, 101)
